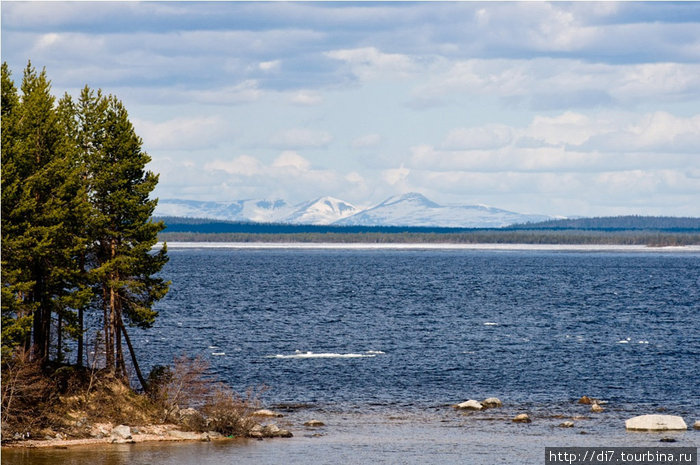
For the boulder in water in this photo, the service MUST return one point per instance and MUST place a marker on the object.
(469, 405)
(492, 402)
(314, 423)
(585, 400)
(596, 408)
(522, 418)
(656, 423)
(266, 413)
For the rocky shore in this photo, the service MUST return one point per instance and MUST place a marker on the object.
(266, 424)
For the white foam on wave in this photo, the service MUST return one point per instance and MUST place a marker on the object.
(218, 354)
(309, 354)
(490, 323)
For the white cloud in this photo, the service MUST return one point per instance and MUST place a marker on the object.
(306, 98)
(562, 83)
(181, 133)
(269, 65)
(291, 159)
(396, 176)
(657, 132)
(366, 141)
(244, 165)
(484, 137)
(370, 63)
(243, 92)
(301, 138)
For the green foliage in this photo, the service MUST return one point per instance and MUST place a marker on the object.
(77, 233)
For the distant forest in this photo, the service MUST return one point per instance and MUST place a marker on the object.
(621, 230)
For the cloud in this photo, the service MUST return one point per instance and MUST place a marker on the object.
(396, 176)
(546, 83)
(272, 65)
(484, 137)
(181, 133)
(292, 160)
(244, 165)
(305, 98)
(366, 141)
(301, 138)
(370, 63)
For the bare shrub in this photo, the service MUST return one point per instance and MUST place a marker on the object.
(29, 396)
(186, 385)
(229, 413)
(188, 395)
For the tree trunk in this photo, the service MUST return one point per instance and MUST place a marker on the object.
(143, 382)
(81, 338)
(59, 339)
(112, 329)
(109, 347)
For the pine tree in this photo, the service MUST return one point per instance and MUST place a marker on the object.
(17, 310)
(41, 213)
(124, 233)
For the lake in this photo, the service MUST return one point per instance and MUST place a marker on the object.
(378, 343)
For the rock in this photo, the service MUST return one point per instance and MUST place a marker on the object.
(274, 431)
(267, 413)
(121, 432)
(100, 430)
(597, 408)
(567, 424)
(270, 430)
(214, 435)
(255, 435)
(522, 418)
(492, 402)
(257, 428)
(469, 405)
(696, 425)
(656, 423)
(314, 423)
(187, 435)
(585, 400)
(667, 440)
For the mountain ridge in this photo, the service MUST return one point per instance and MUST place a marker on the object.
(410, 209)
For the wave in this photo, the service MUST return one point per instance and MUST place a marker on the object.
(309, 354)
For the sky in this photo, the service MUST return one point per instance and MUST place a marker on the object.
(571, 109)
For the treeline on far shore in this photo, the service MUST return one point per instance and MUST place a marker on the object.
(481, 236)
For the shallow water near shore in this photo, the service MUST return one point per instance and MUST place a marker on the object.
(436, 436)
(378, 344)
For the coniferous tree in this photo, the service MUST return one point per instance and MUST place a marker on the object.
(124, 234)
(76, 221)
(17, 310)
(42, 212)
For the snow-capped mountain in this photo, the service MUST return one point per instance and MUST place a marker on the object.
(411, 209)
(414, 209)
(324, 210)
(259, 211)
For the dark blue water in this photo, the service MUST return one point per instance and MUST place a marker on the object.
(555, 322)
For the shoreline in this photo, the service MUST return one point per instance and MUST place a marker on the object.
(141, 434)
(433, 246)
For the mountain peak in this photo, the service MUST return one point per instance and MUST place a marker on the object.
(410, 209)
(415, 198)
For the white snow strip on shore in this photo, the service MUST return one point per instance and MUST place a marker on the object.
(396, 246)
